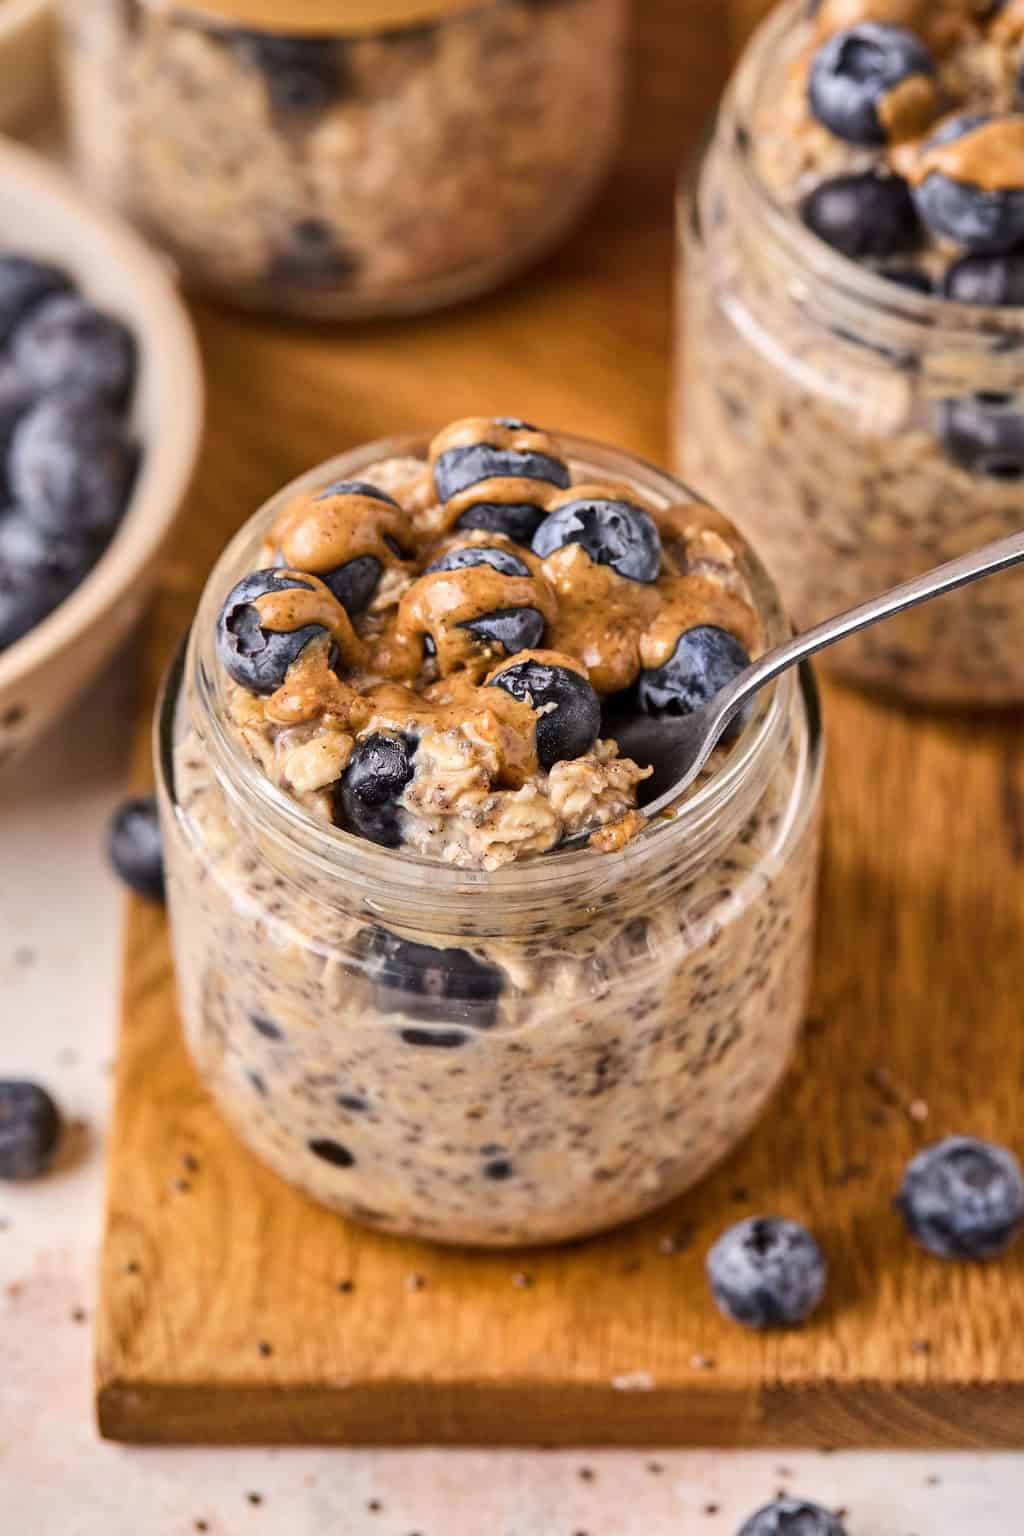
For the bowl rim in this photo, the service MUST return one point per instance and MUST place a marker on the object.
(16, 14)
(168, 460)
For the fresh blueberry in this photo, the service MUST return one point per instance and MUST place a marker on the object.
(332, 1152)
(366, 795)
(978, 220)
(68, 344)
(30, 1126)
(434, 986)
(13, 405)
(135, 848)
(310, 254)
(792, 1517)
(963, 1199)
(353, 583)
(304, 75)
(356, 488)
(501, 560)
(766, 1273)
(569, 709)
(615, 533)
(863, 215)
(513, 629)
(37, 571)
(705, 660)
(994, 281)
(255, 657)
(984, 433)
(854, 71)
(913, 278)
(24, 283)
(459, 468)
(71, 466)
(518, 520)
(23, 605)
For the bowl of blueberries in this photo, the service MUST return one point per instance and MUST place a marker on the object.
(101, 403)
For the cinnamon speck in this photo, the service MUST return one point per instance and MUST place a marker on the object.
(701, 1363)
(190, 1163)
(586, 1474)
(711, 1509)
(201, 1526)
(922, 1346)
(265, 1349)
(374, 1506)
(79, 1315)
(182, 1186)
(346, 1287)
(255, 1498)
(521, 1280)
(415, 1282)
(676, 1242)
(655, 1468)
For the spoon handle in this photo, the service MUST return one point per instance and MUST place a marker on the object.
(991, 558)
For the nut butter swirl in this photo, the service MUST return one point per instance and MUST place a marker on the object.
(990, 156)
(320, 532)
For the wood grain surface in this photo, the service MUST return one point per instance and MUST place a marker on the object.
(915, 1028)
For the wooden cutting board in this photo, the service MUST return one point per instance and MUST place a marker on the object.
(232, 1310)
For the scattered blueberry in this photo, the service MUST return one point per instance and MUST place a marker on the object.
(615, 533)
(853, 72)
(459, 468)
(913, 278)
(366, 795)
(255, 657)
(792, 1517)
(984, 433)
(963, 1199)
(304, 75)
(706, 659)
(444, 986)
(67, 343)
(332, 1152)
(71, 466)
(994, 281)
(766, 1273)
(501, 560)
(863, 215)
(30, 1126)
(135, 847)
(569, 728)
(517, 520)
(978, 220)
(513, 629)
(24, 283)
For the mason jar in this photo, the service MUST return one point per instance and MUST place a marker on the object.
(858, 431)
(498, 1057)
(346, 158)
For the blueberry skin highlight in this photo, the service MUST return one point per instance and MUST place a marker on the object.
(706, 659)
(963, 1199)
(30, 1127)
(518, 521)
(71, 466)
(69, 344)
(991, 223)
(366, 795)
(855, 69)
(792, 1517)
(459, 468)
(25, 283)
(135, 847)
(254, 657)
(994, 281)
(984, 434)
(571, 728)
(433, 986)
(766, 1273)
(501, 560)
(612, 532)
(514, 629)
(863, 215)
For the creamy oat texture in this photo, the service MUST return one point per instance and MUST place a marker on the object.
(353, 175)
(820, 425)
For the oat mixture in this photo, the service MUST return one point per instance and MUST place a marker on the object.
(348, 175)
(863, 430)
(424, 1046)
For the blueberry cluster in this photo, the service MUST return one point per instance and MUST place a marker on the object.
(67, 455)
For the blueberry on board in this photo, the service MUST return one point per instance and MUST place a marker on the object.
(135, 847)
(984, 434)
(458, 468)
(24, 283)
(30, 1126)
(304, 75)
(615, 533)
(995, 281)
(514, 629)
(435, 986)
(501, 560)
(766, 1273)
(571, 717)
(792, 1517)
(862, 215)
(914, 278)
(517, 520)
(704, 661)
(978, 220)
(854, 70)
(366, 795)
(67, 343)
(255, 657)
(963, 1199)
(71, 466)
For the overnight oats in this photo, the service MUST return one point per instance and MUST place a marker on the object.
(437, 965)
(356, 159)
(854, 266)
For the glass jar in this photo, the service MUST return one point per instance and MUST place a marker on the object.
(350, 169)
(825, 407)
(520, 1056)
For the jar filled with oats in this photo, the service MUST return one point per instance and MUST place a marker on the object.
(346, 158)
(850, 357)
(451, 959)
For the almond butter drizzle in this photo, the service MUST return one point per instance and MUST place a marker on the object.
(508, 490)
(942, 24)
(313, 603)
(990, 156)
(319, 533)
(442, 603)
(909, 108)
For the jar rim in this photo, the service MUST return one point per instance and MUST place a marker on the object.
(331, 853)
(853, 283)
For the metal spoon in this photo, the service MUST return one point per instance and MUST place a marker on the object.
(684, 744)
